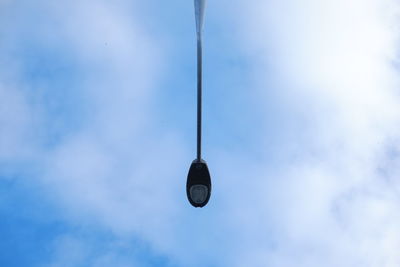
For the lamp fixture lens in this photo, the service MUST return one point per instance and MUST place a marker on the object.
(198, 193)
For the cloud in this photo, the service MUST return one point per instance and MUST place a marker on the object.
(89, 72)
(15, 120)
(78, 249)
(81, 85)
(327, 197)
(104, 169)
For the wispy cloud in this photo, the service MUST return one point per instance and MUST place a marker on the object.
(329, 196)
(95, 143)
(80, 84)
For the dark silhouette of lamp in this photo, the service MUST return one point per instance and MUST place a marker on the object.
(198, 185)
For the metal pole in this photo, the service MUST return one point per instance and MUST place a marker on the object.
(199, 13)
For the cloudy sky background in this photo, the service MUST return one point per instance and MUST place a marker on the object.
(301, 133)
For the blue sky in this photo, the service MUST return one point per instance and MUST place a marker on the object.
(97, 132)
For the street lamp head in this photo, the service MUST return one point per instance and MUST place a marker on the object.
(198, 185)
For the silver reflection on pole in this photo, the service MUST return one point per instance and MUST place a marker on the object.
(199, 7)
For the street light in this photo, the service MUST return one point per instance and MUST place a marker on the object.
(198, 185)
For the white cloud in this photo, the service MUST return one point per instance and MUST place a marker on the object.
(114, 170)
(76, 250)
(14, 123)
(105, 170)
(325, 199)
(324, 193)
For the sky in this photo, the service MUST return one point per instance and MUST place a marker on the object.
(300, 132)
